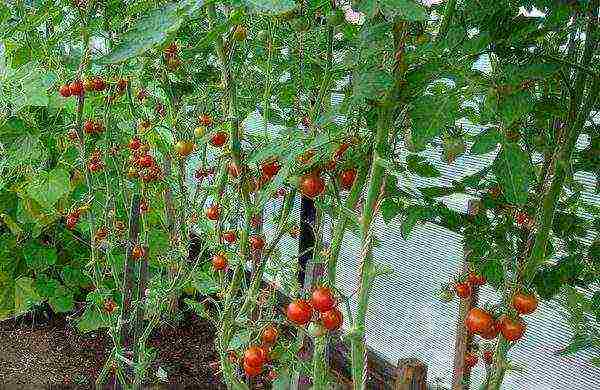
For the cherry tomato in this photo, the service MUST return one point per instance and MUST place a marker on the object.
(488, 356)
(219, 261)
(479, 321)
(254, 356)
(213, 212)
(184, 148)
(145, 161)
(463, 290)
(257, 243)
(491, 333)
(64, 90)
(76, 88)
(270, 169)
(525, 303)
(138, 252)
(512, 330)
(205, 120)
(135, 143)
(311, 185)
(322, 299)
(230, 236)
(347, 178)
(269, 335)
(299, 312)
(218, 139)
(332, 319)
(470, 360)
(252, 371)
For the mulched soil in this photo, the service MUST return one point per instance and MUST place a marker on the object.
(52, 353)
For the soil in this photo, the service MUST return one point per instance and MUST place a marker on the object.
(44, 353)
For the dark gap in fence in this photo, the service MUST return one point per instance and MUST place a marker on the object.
(308, 215)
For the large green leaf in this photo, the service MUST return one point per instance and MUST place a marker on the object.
(48, 187)
(91, 320)
(421, 167)
(62, 300)
(150, 30)
(486, 141)
(405, 9)
(371, 85)
(430, 114)
(25, 295)
(513, 171)
(414, 214)
(39, 257)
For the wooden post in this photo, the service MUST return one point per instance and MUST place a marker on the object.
(461, 377)
(411, 374)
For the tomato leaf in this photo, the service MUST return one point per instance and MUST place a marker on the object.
(513, 171)
(48, 187)
(62, 300)
(39, 257)
(150, 30)
(493, 270)
(486, 141)
(414, 214)
(430, 114)
(389, 209)
(25, 295)
(270, 6)
(421, 167)
(91, 320)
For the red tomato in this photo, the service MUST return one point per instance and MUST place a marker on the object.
(138, 252)
(299, 312)
(205, 120)
(491, 333)
(98, 84)
(135, 143)
(476, 280)
(218, 139)
(311, 185)
(213, 212)
(76, 88)
(512, 330)
(347, 178)
(252, 371)
(479, 321)
(145, 161)
(332, 319)
(470, 360)
(463, 290)
(230, 236)
(322, 299)
(254, 356)
(488, 356)
(110, 306)
(144, 206)
(72, 221)
(270, 169)
(269, 335)
(64, 90)
(89, 127)
(525, 303)
(257, 243)
(219, 262)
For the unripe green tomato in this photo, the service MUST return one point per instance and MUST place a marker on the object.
(315, 329)
(262, 35)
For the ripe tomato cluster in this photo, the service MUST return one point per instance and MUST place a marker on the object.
(78, 88)
(73, 217)
(256, 356)
(322, 300)
(512, 328)
(464, 288)
(93, 127)
(95, 163)
(142, 163)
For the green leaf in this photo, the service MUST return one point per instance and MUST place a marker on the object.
(371, 85)
(25, 295)
(577, 343)
(62, 300)
(493, 270)
(414, 214)
(91, 320)
(405, 9)
(48, 187)
(486, 141)
(513, 171)
(270, 6)
(150, 30)
(39, 257)
(430, 114)
(421, 167)
(389, 209)
(46, 286)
